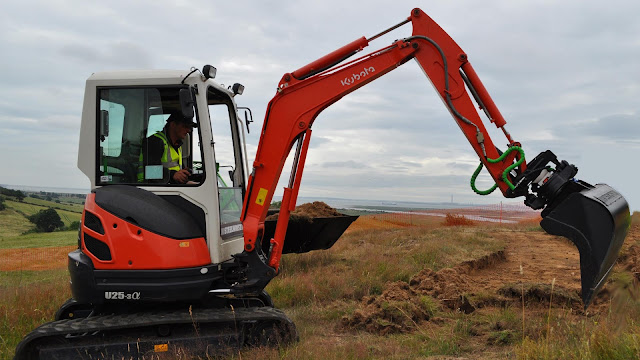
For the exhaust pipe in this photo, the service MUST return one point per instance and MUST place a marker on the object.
(595, 218)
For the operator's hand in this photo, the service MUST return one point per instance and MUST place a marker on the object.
(181, 176)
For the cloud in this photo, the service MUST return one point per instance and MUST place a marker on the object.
(617, 127)
(350, 164)
(119, 54)
(563, 74)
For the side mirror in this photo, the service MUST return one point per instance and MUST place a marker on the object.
(248, 116)
(186, 103)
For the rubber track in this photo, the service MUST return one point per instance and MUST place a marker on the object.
(142, 320)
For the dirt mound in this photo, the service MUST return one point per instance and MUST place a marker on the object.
(445, 284)
(483, 262)
(398, 309)
(308, 211)
(401, 306)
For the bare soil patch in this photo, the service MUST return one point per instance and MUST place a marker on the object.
(534, 265)
(630, 261)
(403, 306)
(630, 256)
(536, 260)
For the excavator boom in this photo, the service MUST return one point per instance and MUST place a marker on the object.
(304, 93)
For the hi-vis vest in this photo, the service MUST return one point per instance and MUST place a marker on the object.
(171, 159)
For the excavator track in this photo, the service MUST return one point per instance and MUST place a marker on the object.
(160, 334)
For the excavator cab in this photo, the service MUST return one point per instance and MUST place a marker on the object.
(126, 116)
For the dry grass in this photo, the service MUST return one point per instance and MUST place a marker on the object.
(318, 289)
(27, 300)
(21, 259)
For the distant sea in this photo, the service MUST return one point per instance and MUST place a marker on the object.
(355, 204)
(386, 205)
(46, 189)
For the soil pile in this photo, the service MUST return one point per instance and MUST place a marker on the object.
(308, 211)
(398, 309)
(402, 306)
(446, 285)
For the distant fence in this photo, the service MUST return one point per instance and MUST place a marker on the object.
(494, 213)
(47, 258)
(28, 259)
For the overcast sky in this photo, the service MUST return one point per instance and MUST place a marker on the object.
(564, 74)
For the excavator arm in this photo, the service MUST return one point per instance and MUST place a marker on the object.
(549, 184)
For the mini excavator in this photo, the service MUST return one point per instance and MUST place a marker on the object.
(163, 266)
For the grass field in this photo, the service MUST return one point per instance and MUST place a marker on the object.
(325, 292)
(28, 208)
(63, 205)
(13, 223)
(27, 300)
(15, 227)
(38, 240)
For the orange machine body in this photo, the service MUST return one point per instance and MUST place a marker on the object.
(134, 248)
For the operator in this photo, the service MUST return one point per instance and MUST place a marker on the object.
(164, 148)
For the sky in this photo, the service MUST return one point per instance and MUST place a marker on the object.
(564, 74)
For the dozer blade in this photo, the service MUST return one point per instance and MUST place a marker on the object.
(596, 220)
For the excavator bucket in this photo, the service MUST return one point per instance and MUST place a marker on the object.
(596, 220)
(318, 233)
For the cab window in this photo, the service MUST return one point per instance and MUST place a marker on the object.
(228, 160)
(135, 146)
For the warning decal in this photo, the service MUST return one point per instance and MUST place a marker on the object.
(262, 195)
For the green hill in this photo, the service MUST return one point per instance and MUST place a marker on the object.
(76, 208)
(14, 223)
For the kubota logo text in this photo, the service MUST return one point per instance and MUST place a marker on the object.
(355, 77)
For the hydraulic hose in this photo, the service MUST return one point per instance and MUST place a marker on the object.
(448, 101)
(505, 173)
(479, 134)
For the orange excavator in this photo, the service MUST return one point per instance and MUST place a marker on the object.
(163, 265)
